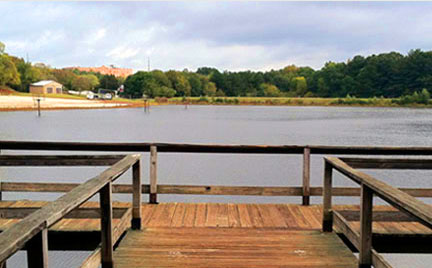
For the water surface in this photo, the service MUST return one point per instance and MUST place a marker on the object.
(223, 125)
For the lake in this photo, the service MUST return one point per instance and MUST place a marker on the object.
(222, 125)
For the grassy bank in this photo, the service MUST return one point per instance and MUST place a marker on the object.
(282, 101)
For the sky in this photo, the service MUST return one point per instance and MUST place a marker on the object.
(226, 35)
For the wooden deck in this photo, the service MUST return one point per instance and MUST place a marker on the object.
(282, 216)
(231, 247)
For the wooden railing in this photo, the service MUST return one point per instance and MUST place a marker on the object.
(32, 231)
(370, 186)
(153, 188)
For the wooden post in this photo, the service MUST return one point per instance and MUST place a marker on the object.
(365, 256)
(306, 176)
(153, 175)
(37, 250)
(327, 225)
(106, 226)
(136, 196)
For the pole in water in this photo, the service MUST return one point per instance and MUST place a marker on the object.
(38, 102)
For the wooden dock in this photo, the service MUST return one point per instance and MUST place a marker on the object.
(156, 234)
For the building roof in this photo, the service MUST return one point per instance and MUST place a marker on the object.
(43, 83)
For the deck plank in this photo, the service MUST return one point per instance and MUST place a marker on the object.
(231, 247)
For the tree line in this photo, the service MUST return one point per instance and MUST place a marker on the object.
(390, 75)
(18, 74)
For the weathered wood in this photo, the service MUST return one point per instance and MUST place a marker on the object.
(79, 213)
(59, 160)
(327, 224)
(153, 175)
(212, 148)
(388, 163)
(15, 237)
(341, 225)
(136, 198)
(365, 250)
(378, 261)
(306, 176)
(203, 189)
(355, 191)
(94, 259)
(107, 243)
(381, 216)
(232, 247)
(37, 250)
(403, 201)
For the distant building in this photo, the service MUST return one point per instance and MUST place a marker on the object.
(117, 72)
(46, 87)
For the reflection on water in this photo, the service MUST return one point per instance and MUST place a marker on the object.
(224, 125)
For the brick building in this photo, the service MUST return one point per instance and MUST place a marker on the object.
(108, 70)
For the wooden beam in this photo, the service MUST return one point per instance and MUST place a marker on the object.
(136, 197)
(37, 250)
(378, 261)
(327, 225)
(78, 213)
(402, 201)
(366, 205)
(306, 176)
(59, 160)
(382, 216)
(107, 244)
(16, 236)
(153, 175)
(342, 226)
(212, 148)
(388, 163)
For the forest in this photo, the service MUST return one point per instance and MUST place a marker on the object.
(388, 75)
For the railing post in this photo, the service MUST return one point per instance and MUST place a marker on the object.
(136, 198)
(153, 174)
(327, 225)
(306, 176)
(37, 250)
(365, 256)
(106, 226)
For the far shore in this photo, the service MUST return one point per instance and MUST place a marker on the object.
(65, 102)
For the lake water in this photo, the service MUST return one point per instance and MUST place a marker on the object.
(222, 125)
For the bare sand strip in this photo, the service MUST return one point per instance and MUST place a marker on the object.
(8, 103)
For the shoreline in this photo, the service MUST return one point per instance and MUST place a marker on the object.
(12, 103)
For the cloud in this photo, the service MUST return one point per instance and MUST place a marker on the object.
(226, 35)
(123, 52)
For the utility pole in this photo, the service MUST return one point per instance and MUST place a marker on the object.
(148, 64)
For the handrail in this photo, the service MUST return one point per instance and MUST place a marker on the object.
(403, 201)
(305, 150)
(369, 187)
(212, 148)
(34, 227)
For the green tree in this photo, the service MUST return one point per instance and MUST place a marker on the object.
(109, 82)
(300, 86)
(93, 81)
(2, 48)
(8, 72)
(270, 90)
(180, 83)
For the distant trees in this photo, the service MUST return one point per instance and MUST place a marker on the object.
(390, 75)
(8, 72)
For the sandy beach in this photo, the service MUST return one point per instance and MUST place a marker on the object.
(10, 103)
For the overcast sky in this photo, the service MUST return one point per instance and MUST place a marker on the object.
(226, 35)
